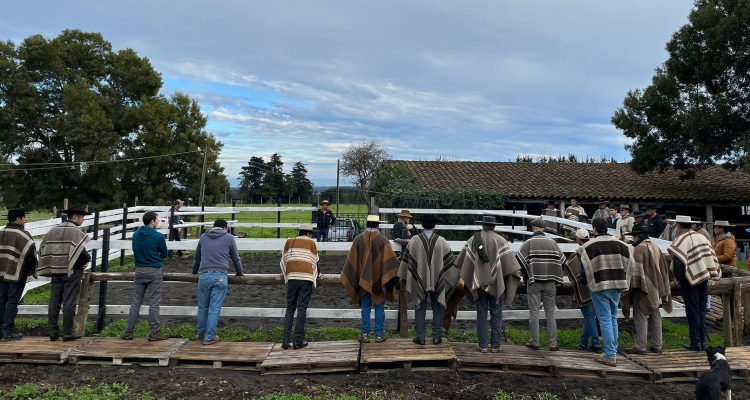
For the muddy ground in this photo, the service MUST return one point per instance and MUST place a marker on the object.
(223, 384)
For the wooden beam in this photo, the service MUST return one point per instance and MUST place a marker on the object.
(746, 312)
(84, 304)
(737, 327)
(727, 320)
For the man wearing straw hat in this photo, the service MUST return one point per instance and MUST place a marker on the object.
(17, 262)
(602, 211)
(649, 289)
(625, 223)
(299, 264)
(325, 221)
(491, 275)
(63, 256)
(427, 267)
(694, 262)
(402, 229)
(369, 277)
(724, 243)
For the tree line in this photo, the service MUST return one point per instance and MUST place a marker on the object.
(262, 181)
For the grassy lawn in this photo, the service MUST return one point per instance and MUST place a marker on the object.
(102, 391)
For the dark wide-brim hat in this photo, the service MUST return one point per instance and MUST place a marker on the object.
(652, 207)
(75, 210)
(602, 201)
(14, 213)
(488, 220)
(638, 214)
(641, 230)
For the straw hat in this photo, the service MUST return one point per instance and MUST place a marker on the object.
(325, 202)
(306, 228)
(374, 218)
(624, 207)
(405, 213)
(685, 219)
(723, 223)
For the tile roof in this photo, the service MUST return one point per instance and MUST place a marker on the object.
(615, 181)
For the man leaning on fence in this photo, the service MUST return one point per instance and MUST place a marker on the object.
(370, 275)
(429, 272)
(212, 255)
(491, 275)
(17, 262)
(63, 256)
(149, 251)
(299, 264)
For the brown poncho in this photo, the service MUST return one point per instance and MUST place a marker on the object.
(427, 266)
(499, 275)
(581, 293)
(370, 267)
(651, 276)
(60, 249)
(15, 245)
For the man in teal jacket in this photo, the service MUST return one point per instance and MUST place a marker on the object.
(149, 249)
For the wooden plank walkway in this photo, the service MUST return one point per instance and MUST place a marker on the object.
(317, 357)
(581, 364)
(38, 350)
(686, 366)
(247, 356)
(115, 351)
(511, 359)
(403, 353)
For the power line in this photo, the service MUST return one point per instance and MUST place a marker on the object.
(63, 165)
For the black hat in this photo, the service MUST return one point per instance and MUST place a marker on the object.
(488, 220)
(638, 213)
(14, 213)
(75, 210)
(671, 214)
(641, 229)
(602, 201)
(652, 207)
(551, 202)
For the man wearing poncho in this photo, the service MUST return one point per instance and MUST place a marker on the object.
(649, 289)
(428, 269)
(369, 277)
(694, 262)
(490, 272)
(17, 262)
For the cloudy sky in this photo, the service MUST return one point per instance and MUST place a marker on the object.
(470, 80)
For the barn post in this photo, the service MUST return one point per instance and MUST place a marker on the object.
(103, 284)
(727, 319)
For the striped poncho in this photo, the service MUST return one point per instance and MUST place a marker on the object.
(60, 249)
(300, 260)
(695, 251)
(607, 263)
(541, 259)
(371, 267)
(499, 274)
(16, 248)
(427, 267)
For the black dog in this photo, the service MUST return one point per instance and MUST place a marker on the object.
(718, 380)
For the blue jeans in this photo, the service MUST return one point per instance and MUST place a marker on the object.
(489, 303)
(212, 288)
(420, 314)
(10, 297)
(323, 235)
(379, 315)
(605, 306)
(589, 327)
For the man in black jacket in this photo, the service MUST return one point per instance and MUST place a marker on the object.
(325, 221)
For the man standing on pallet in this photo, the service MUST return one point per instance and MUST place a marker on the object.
(541, 263)
(17, 262)
(299, 264)
(649, 290)
(428, 271)
(607, 264)
(491, 275)
(63, 256)
(212, 255)
(149, 251)
(369, 277)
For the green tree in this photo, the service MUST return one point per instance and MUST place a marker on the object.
(695, 112)
(360, 161)
(273, 181)
(251, 177)
(300, 184)
(81, 121)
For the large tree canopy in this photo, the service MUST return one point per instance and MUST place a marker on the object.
(696, 111)
(81, 121)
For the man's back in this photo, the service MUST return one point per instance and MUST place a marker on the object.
(541, 259)
(149, 247)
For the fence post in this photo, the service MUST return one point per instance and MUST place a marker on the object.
(203, 217)
(402, 320)
(135, 203)
(234, 216)
(103, 284)
(84, 304)
(727, 319)
(170, 236)
(746, 307)
(737, 327)
(124, 231)
(94, 252)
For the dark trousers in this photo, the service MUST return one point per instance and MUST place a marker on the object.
(695, 308)
(298, 293)
(489, 303)
(176, 238)
(10, 297)
(420, 316)
(65, 291)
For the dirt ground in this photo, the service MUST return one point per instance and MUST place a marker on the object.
(224, 384)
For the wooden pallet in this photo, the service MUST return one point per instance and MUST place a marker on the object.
(581, 364)
(512, 359)
(683, 365)
(403, 353)
(317, 357)
(738, 355)
(246, 356)
(116, 351)
(38, 350)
